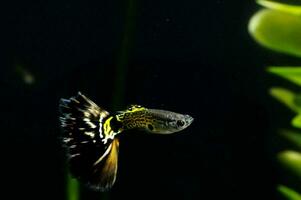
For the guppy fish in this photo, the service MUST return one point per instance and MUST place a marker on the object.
(90, 136)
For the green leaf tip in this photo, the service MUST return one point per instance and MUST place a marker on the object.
(292, 136)
(292, 9)
(296, 122)
(277, 30)
(290, 73)
(291, 160)
(289, 193)
(291, 100)
(286, 97)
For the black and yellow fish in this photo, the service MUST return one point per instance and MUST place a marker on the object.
(90, 136)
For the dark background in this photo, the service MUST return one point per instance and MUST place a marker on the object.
(193, 57)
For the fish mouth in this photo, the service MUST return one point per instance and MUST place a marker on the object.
(188, 119)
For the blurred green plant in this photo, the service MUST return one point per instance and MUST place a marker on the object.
(291, 160)
(293, 137)
(72, 188)
(288, 193)
(278, 27)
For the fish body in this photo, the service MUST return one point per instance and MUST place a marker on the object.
(90, 136)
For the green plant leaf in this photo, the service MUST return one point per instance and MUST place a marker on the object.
(291, 160)
(286, 97)
(289, 193)
(277, 30)
(291, 100)
(296, 122)
(292, 9)
(290, 73)
(292, 136)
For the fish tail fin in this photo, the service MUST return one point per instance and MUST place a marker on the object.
(90, 159)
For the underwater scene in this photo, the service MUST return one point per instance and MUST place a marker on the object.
(128, 99)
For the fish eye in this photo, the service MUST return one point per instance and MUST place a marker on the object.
(130, 108)
(180, 123)
(150, 127)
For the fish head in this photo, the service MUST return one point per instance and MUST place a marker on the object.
(167, 122)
